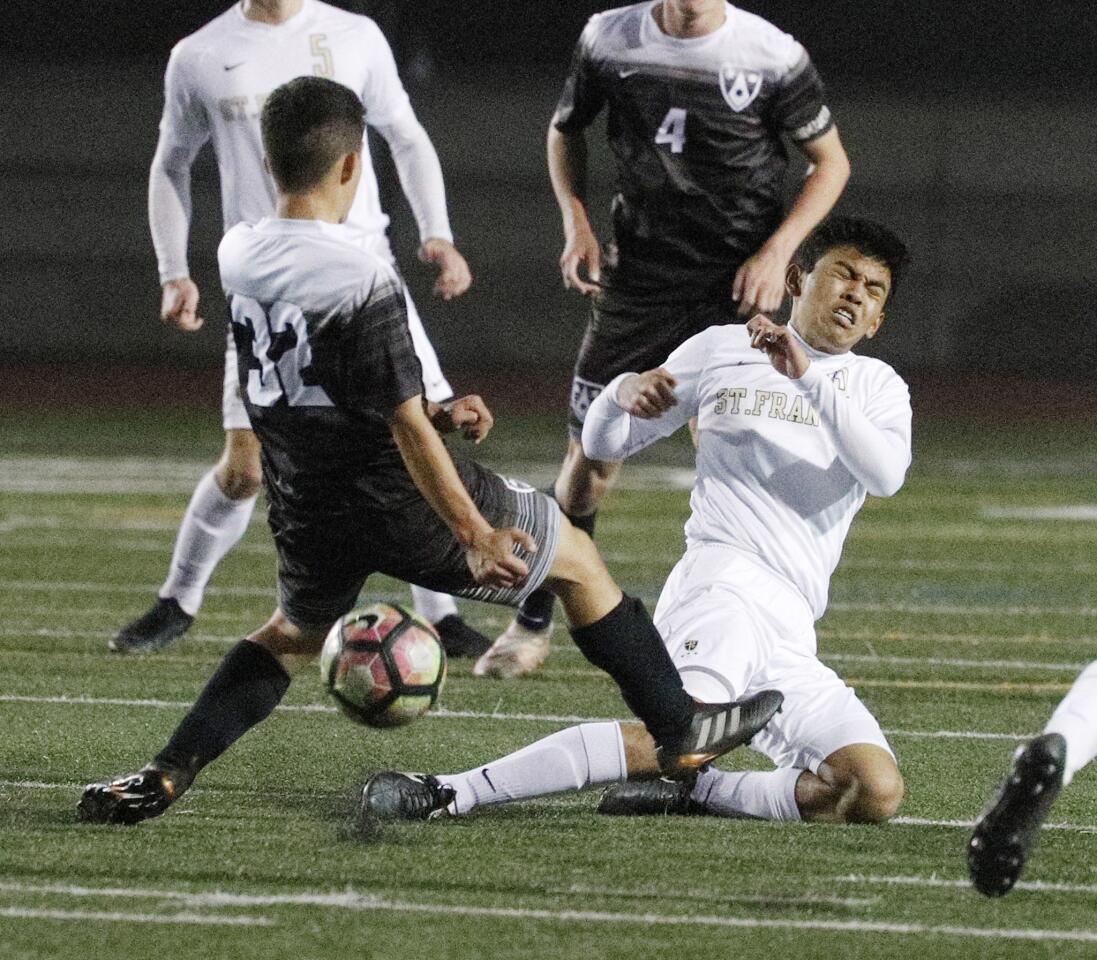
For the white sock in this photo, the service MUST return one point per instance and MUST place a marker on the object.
(571, 759)
(211, 527)
(763, 795)
(434, 607)
(1076, 719)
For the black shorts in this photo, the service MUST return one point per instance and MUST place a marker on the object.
(323, 563)
(633, 335)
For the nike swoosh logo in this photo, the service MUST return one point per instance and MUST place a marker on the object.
(233, 66)
(627, 73)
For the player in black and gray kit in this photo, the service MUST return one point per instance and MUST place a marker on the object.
(358, 480)
(701, 97)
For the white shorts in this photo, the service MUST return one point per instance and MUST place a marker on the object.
(733, 628)
(435, 385)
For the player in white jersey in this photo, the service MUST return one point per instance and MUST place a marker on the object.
(216, 82)
(702, 99)
(1004, 833)
(793, 431)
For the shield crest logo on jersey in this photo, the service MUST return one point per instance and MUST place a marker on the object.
(739, 87)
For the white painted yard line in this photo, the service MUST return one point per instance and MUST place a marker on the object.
(571, 653)
(442, 714)
(1085, 512)
(351, 900)
(898, 606)
(1036, 886)
(185, 919)
(968, 824)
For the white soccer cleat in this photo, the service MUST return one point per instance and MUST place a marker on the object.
(516, 652)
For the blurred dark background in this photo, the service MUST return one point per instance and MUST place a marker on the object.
(972, 129)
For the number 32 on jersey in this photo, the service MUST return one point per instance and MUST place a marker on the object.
(673, 129)
(277, 337)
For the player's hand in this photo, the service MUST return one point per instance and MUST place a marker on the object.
(454, 276)
(179, 304)
(472, 417)
(759, 284)
(491, 557)
(582, 249)
(778, 343)
(647, 395)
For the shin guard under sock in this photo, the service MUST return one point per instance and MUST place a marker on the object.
(627, 646)
(244, 689)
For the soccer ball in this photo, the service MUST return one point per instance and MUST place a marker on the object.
(383, 665)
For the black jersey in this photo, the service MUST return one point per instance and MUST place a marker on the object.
(696, 128)
(325, 357)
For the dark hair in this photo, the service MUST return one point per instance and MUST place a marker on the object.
(307, 124)
(869, 238)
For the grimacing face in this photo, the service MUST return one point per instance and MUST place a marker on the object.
(841, 301)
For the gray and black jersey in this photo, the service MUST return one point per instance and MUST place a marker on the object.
(696, 127)
(325, 359)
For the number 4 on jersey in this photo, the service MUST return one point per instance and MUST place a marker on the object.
(673, 129)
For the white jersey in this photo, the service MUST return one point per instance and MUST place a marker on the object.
(214, 88)
(782, 465)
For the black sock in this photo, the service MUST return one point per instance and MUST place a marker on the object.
(627, 646)
(535, 613)
(243, 690)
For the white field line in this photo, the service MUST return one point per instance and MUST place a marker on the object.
(48, 633)
(76, 475)
(1037, 886)
(444, 714)
(186, 919)
(612, 557)
(896, 606)
(968, 824)
(1086, 512)
(351, 900)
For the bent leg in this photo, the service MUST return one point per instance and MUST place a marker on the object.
(859, 783)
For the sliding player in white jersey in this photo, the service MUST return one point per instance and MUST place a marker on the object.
(793, 431)
(216, 82)
(1004, 834)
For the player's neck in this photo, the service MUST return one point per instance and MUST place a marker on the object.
(271, 11)
(310, 206)
(686, 21)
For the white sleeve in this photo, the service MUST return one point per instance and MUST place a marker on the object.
(609, 433)
(873, 444)
(184, 128)
(389, 111)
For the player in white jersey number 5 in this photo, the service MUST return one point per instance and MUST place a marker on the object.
(794, 431)
(216, 82)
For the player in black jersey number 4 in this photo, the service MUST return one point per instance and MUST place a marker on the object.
(701, 97)
(358, 480)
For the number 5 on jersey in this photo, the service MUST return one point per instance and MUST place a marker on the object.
(673, 129)
(280, 358)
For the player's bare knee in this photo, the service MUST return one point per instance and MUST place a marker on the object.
(879, 793)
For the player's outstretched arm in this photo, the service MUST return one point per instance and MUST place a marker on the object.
(489, 552)
(874, 447)
(567, 163)
(759, 284)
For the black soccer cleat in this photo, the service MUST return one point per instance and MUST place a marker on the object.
(164, 623)
(390, 795)
(1005, 831)
(646, 798)
(127, 799)
(459, 639)
(715, 729)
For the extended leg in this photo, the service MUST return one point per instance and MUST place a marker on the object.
(247, 685)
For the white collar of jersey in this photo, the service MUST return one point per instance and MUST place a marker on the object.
(812, 353)
(298, 17)
(651, 34)
(281, 225)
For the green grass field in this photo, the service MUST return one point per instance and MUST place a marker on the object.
(959, 613)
